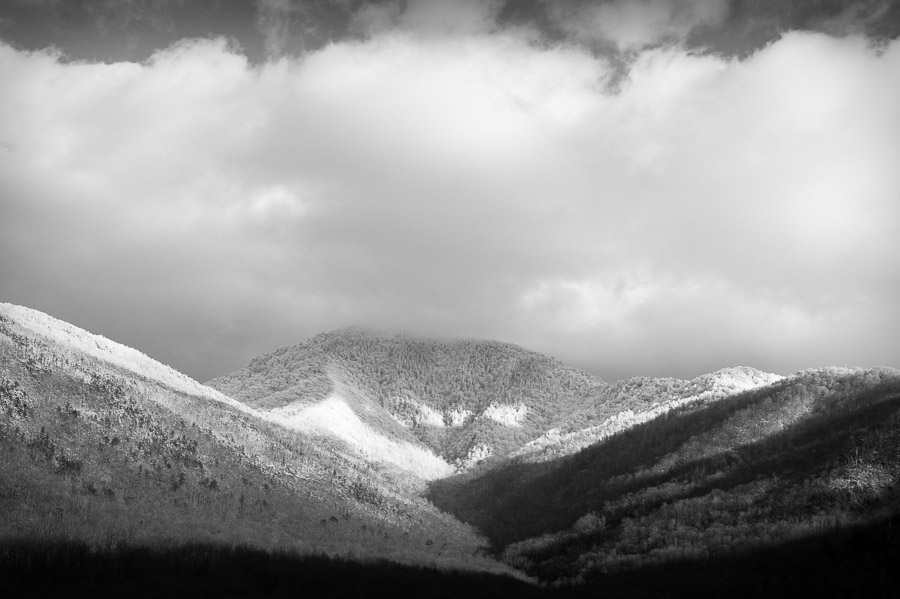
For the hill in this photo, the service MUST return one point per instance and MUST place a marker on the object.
(816, 452)
(99, 442)
(471, 402)
(365, 447)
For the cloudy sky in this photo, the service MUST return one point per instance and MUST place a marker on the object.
(635, 187)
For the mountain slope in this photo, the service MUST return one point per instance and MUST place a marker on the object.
(101, 443)
(464, 400)
(816, 451)
(344, 443)
(468, 401)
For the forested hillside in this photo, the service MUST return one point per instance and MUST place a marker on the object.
(816, 452)
(96, 445)
(469, 401)
(440, 453)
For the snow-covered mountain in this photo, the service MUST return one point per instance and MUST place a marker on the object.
(471, 402)
(434, 452)
(331, 417)
(99, 437)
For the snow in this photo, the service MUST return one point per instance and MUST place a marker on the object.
(116, 354)
(458, 416)
(722, 383)
(505, 414)
(414, 413)
(737, 380)
(333, 416)
(430, 416)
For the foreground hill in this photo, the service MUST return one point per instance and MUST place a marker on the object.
(100, 443)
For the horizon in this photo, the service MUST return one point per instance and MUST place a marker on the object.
(405, 335)
(634, 187)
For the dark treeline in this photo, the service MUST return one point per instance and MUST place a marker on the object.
(30, 568)
(856, 563)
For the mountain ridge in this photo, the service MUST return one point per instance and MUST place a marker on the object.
(452, 452)
(95, 450)
(468, 401)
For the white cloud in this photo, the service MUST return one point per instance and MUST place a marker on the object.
(466, 184)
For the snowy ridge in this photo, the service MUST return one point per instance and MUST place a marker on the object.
(715, 385)
(331, 417)
(111, 352)
(736, 380)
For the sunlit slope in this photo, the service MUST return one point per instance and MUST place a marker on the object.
(101, 443)
(649, 399)
(466, 400)
(74, 342)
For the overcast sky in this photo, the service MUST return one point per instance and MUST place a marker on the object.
(646, 187)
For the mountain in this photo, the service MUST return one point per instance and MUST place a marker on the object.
(574, 479)
(814, 453)
(102, 444)
(467, 401)
(317, 462)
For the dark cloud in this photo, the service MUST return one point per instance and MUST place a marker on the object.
(116, 30)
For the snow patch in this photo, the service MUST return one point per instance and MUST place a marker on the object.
(457, 417)
(413, 413)
(429, 416)
(505, 414)
(333, 416)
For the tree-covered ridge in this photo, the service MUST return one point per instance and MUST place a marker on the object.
(814, 452)
(93, 451)
(470, 401)
(601, 484)
(644, 399)
(452, 395)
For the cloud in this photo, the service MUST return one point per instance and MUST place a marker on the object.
(707, 212)
(854, 17)
(291, 27)
(634, 24)
(427, 17)
(274, 21)
(115, 15)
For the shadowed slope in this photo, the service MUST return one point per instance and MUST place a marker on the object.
(818, 449)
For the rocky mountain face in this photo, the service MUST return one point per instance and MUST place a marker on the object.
(455, 453)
